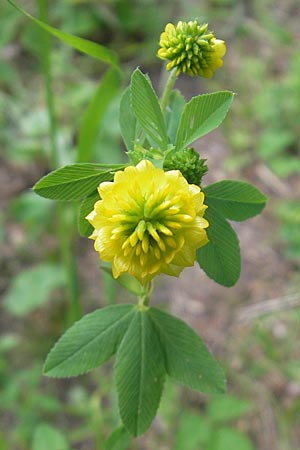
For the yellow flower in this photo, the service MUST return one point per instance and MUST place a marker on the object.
(148, 222)
(191, 49)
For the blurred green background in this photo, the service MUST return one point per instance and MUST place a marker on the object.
(252, 328)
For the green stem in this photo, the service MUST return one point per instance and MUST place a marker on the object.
(96, 419)
(45, 52)
(64, 229)
(109, 289)
(144, 298)
(168, 89)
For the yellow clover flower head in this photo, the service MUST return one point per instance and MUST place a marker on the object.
(191, 49)
(148, 222)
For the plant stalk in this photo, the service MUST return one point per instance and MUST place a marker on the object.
(144, 298)
(168, 89)
(64, 229)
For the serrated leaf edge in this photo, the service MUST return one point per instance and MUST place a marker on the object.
(163, 337)
(164, 360)
(71, 356)
(193, 100)
(239, 249)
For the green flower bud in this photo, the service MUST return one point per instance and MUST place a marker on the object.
(191, 49)
(189, 163)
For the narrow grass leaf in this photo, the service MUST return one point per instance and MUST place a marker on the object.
(106, 91)
(140, 373)
(32, 288)
(90, 48)
(187, 358)
(201, 115)
(89, 342)
(75, 181)
(220, 258)
(147, 110)
(236, 200)
(87, 205)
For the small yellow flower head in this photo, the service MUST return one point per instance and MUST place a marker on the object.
(191, 49)
(148, 222)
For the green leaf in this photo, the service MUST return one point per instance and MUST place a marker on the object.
(75, 181)
(140, 374)
(187, 358)
(235, 200)
(47, 437)
(109, 288)
(8, 342)
(193, 432)
(32, 210)
(223, 408)
(201, 115)
(87, 205)
(147, 110)
(173, 113)
(119, 439)
(32, 287)
(90, 48)
(227, 438)
(220, 258)
(104, 94)
(89, 342)
(128, 122)
(126, 281)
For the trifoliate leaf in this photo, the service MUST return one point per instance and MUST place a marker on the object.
(147, 110)
(75, 181)
(235, 200)
(89, 342)
(220, 257)
(128, 122)
(140, 373)
(201, 115)
(87, 205)
(187, 358)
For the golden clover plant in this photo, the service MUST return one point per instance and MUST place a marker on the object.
(153, 215)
